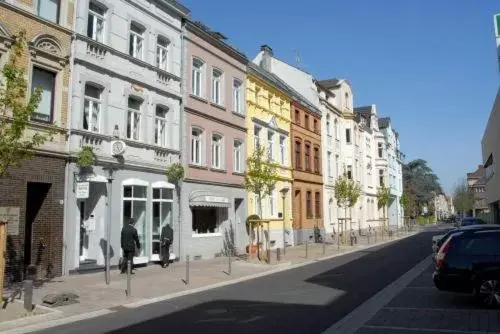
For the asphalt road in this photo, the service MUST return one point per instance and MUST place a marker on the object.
(308, 299)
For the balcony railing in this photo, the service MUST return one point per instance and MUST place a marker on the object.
(96, 50)
(93, 140)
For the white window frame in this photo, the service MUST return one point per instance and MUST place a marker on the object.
(58, 13)
(197, 77)
(217, 86)
(329, 157)
(217, 151)
(337, 130)
(162, 201)
(92, 101)
(196, 146)
(237, 96)
(162, 51)
(95, 19)
(132, 120)
(283, 149)
(238, 155)
(51, 115)
(161, 139)
(256, 137)
(135, 38)
(136, 183)
(270, 145)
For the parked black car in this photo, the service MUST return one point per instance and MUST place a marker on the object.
(437, 241)
(469, 262)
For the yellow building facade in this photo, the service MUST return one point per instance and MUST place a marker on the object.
(268, 124)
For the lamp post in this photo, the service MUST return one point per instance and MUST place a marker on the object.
(284, 191)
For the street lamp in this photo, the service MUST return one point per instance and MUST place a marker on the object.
(284, 191)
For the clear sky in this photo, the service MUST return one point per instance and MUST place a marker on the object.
(429, 65)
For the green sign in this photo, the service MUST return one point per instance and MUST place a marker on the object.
(497, 25)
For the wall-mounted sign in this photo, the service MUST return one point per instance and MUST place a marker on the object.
(11, 215)
(89, 224)
(82, 190)
(217, 199)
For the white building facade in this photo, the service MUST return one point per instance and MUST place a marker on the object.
(126, 105)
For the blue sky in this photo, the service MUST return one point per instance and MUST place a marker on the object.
(429, 65)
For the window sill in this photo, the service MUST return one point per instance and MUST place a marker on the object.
(239, 173)
(218, 170)
(218, 106)
(198, 166)
(235, 113)
(199, 98)
(206, 235)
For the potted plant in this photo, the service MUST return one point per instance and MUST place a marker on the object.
(85, 159)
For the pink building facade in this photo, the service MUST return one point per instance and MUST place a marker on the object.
(213, 197)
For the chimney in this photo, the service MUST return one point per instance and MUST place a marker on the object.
(267, 54)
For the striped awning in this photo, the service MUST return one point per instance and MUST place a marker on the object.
(207, 199)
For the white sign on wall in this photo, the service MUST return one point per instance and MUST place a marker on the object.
(89, 224)
(82, 190)
(217, 199)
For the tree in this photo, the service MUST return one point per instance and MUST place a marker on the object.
(347, 193)
(175, 175)
(353, 196)
(463, 199)
(383, 197)
(16, 110)
(261, 175)
(420, 184)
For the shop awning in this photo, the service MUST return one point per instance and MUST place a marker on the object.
(93, 178)
(207, 199)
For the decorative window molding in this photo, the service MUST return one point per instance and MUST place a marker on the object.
(49, 49)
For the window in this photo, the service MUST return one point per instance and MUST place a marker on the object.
(196, 141)
(162, 214)
(161, 126)
(307, 157)
(162, 45)
(306, 121)
(256, 137)
(329, 163)
(95, 22)
(380, 150)
(134, 118)
(298, 157)
(134, 206)
(348, 136)
(315, 125)
(349, 172)
(309, 213)
(92, 108)
(238, 154)
(136, 40)
(237, 94)
(45, 81)
(316, 160)
(217, 87)
(207, 220)
(328, 130)
(196, 77)
(272, 204)
(270, 145)
(283, 150)
(49, 9)
(217, 151)
(336, 128)
(381, 177)
(297, 116)
(317, 205)
(337, 169)
(346, 100)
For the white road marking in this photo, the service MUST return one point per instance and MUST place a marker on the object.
(429, 330)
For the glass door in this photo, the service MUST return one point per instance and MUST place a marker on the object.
(162, 215)
(134, 206)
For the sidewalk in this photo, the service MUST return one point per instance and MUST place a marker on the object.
(153, 281)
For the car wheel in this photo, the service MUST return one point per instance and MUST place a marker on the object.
(488, 292)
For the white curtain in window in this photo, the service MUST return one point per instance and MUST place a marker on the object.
(48, 9)
(43, 80)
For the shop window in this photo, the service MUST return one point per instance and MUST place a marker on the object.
(134, 206)
(207, 220)
(162, 215)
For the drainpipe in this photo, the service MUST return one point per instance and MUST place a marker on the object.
(181, 126)
(67, 170)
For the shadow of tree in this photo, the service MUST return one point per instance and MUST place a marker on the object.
(228, 246)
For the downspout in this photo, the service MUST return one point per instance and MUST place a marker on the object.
(181, 128)
(67, 171)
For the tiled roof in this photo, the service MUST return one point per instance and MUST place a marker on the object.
(384, 122)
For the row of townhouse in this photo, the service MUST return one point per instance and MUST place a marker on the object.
(145, 86)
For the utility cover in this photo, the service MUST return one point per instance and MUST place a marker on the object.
(60, 299)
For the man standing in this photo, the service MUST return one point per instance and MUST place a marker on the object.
(167, 237)
(129, 242)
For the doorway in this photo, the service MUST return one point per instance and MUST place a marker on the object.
(297, 217)
(36, 193)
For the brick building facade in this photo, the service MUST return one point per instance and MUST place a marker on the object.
(33, 194)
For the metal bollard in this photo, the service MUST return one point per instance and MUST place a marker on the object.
(278, 254)
(187, 270)
(128, 292)
(268, 255)
(229, 264)
(307, 249)
(324, 248)
(28, 295)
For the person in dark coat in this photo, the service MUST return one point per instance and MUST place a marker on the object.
(167, 237)
(129, 242)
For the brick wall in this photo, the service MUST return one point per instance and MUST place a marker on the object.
(48, 228)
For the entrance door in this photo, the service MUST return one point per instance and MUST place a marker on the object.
(35, 197)
(297, 217)
(162, 216)
(84, 237)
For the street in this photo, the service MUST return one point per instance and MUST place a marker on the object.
(308, 299)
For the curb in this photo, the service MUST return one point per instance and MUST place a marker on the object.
(142, 302)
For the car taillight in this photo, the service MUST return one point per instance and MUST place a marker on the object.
(442, 253)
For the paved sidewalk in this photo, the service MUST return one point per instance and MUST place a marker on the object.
(153, 281)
